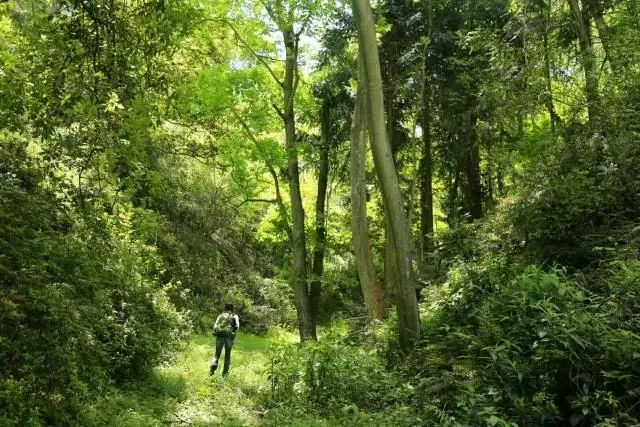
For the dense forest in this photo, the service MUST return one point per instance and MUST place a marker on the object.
(439, 198)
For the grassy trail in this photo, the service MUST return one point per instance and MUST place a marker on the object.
(183, 393)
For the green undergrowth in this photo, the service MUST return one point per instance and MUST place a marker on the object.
(183, 393)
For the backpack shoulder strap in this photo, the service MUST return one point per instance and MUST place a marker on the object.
(215, 324)
(235, 321)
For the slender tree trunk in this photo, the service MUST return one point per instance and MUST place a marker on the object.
(554, 118)
(523, 61)
(426, 162)
(371, 288)
(452, 216)
(390, 266)
(407, 308)
(390, 272)
(321, 231)
(426, 184)
(499, 173)
(473, 193)
(289, 85)
(582, 24)
(298, 243)
(489, 199)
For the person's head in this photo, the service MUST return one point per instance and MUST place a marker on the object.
(228, 307)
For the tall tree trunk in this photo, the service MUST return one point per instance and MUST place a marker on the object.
(390, 266)
(523, 62)
(426, 162)
(489, 199)
(582, 24)
(407, 308)
(371, 287)
(473, 193)
(554, 118)
(426, 184)
(321, 231)
(500, 173)
(298, 243)
(454, 184)
(289, 85)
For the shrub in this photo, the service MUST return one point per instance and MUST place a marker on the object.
(536, 351)
(573, 199)
(80, 303)
(326, 376)
(270, 304)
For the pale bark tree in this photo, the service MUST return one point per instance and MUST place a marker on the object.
(404, 289)
(371, 287)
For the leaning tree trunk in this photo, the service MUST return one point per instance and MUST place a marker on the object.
(407, 308)
(390, 266)
(597, 10)
(298, 243)
(371, 287)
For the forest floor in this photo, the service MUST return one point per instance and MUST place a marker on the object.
(184, 394)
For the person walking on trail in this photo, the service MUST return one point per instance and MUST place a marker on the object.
(225, 328)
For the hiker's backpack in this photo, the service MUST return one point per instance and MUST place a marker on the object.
(225, 326)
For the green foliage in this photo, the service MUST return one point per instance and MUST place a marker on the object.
(81, 301)
(182, 391)
(531, 351)
(139, 148)
(267, 304)
(578, 204)
(325, 376)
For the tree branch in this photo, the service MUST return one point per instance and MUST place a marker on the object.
(256, 201)
(281, 207)
(257, 56)
(278, 110)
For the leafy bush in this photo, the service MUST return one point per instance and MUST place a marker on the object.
(573, 200)
(535, 351)
(269, 304)
(81, 305)
(326, 376)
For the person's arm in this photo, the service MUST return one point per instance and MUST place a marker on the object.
(237, 321)
(215, 325)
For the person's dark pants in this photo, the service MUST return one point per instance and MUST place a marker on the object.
(227, 343)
